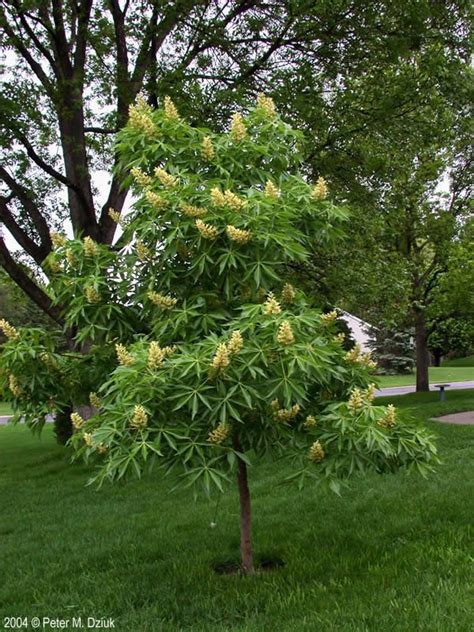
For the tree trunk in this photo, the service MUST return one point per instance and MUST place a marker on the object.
(246, 555)
(437, 353)
(422, 354)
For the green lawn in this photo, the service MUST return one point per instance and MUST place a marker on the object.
(5, 408)
(468, 361)
(394, 553)
(437, 375)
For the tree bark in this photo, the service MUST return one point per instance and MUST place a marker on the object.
(246, 554)
(437, 354)
(422, 354)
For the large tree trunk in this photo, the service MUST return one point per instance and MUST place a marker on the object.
(422, 354)
(437, 354)
(246, 554)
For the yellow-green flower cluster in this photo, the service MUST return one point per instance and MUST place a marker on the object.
(221, 358)
(143, 252)
(123, 356)
(238, 131)
(238, 235)
(284, 415)
(288, 293)
(369, 393)
(192, 211)
(77, 421)
(139, 117)
(141, 178)
(316, 452)
(320, 190)
(219, 434)
(9, 331)
(207, 230)
(156, 355)
(166, 179)
(165, 302)
(285, 334)
(356, 400)
(94, 400)
(271, 191)
(227, 199)
(310, 422)
(87, 437)
(329, 317)
(57, 239)
(340, 337)
(48, 360)
(170, 110)
(139, 419)
(366, 359)
(390, 418)
(354, 354)
(14, 386)
(207, 148)
(70, 258)
(54, 266)
(90, 247)
(115, 215)
(157, 201)
(92, 295)
(266, 103)
(101, 448)
(236, 342)
(271, 307)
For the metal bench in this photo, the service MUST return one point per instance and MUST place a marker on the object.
(442, 394)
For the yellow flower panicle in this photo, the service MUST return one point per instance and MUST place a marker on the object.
(233, 201)
(156, 355)
(14, 386)
(285, 415)
(236, 342)
(139, 419)
(219, 434)
(101, 448)
(94, 400)
(166, 179)
(207, 148)
(143, 253)
(271, 307)
(320, 190)
(366, 359)
(57, 239)
(123, 356)
(139, 117)
(90, 247)
(207, 230)
(142, 179)
(310, 422)
(221, 358)
(54, 266)
(165, 302)
(77, 421)
(238, 131)
(285, 334)
(369, 393)
(88, 439)
(316, 452)
(266, 103)
(274, 405)
(115, 215)
(192, 211)
(9, 331)
(238, 235)
(271, 191)
(217, 197)
(329, 317)
(70, 258)
(354, 354)
(288, 293)
(170, 110)
(356, 400)
(157, 201)
(389, 420)
(92, 295)
(340, 337)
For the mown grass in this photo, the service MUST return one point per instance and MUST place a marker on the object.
(437, 375)
(5, 408)
(394, 553)
(467, 361)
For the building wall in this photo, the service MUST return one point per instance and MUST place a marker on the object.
(357, 327)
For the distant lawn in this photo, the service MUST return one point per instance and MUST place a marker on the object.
(468, 361)
(437, 375)
(5, 408)
(394, 553)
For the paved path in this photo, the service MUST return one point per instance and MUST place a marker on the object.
(464, 419)
(403, 390)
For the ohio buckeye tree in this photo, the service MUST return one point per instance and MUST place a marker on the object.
(196, 355)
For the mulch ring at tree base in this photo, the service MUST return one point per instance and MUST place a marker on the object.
(463, 419)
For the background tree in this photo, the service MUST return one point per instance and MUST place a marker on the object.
(392, 349)
(218, 364)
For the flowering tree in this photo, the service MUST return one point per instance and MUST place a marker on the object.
(203, 357)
